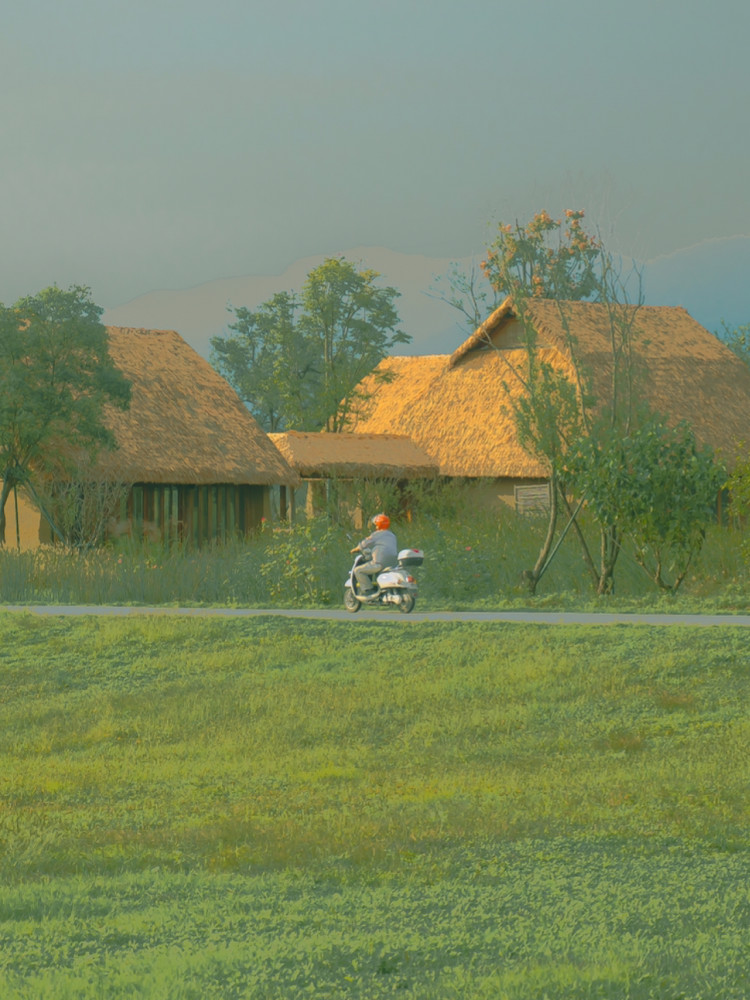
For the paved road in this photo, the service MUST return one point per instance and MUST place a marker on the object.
(333, 614)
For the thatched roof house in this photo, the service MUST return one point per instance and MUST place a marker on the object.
(198, 464)
(319, 455)
(335, 467)
(456, 406)
(185, 424)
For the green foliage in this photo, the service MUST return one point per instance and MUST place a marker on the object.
(352, 324)
(55, 377)
(268, 362)
(737, 339)
(297, 361)
(739, 491)
(557, 415)
(472, 560)
(549, 415)
(654, 487)
(517, 922)
(224, 808)
(300, 563)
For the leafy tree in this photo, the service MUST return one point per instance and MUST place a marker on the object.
(558, 260)
(297, 360)
(56, 375)
(737, 339)
(269, 362)
(739, 491)
(352, 324)
(654, 487)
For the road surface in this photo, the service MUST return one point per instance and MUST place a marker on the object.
(335, 614)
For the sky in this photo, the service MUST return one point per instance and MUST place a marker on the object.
(161, 144)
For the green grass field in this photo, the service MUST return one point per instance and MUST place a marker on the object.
(269, 808)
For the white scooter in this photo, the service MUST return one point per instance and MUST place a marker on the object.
(393, 585)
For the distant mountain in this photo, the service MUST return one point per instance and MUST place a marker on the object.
(711, 280)
(202, 312)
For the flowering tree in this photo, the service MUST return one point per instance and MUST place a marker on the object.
(547, 258)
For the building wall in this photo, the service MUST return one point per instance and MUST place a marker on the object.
(490, 494)
(324, 496)
(196, 514)
(354, 501)
(193, 514)
(30, 522)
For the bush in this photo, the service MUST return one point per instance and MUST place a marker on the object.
(473, 559)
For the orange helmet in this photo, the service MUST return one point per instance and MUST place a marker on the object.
(381, 521)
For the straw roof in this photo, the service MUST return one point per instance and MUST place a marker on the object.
(354, 456)
(185, 423)
(456, 406)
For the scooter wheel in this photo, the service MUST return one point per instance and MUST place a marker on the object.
(407, 602)
(350, 601)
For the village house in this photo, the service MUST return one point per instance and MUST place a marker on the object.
(458, 407)
(194, 463)
(339, 470)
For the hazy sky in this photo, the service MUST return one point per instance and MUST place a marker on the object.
(150, 144)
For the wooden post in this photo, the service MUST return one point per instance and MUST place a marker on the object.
(291, 511)
(18, 528)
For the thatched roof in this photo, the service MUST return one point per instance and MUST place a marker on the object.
(354, 456)
(456, 406)
(483, 333)
(185, 423)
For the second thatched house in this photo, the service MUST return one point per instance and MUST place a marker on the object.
(457, 407)
(193, 463)
(343, 470)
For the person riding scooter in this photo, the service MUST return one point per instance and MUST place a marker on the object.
(382, 548)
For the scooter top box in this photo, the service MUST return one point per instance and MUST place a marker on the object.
(410, 557)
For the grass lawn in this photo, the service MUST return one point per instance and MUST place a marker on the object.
(267, 808)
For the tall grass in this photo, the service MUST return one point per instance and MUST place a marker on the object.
(471, 560)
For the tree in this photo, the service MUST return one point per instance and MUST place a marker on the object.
(269, 362)
(352, 324)
(82, 509)
(549, 417)
(469, 293)
(738, 486)
(737, 339)
(544, 260)
(297, 360)
(56, 375)
(558, 260)
(657, 487)
(644, 483)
